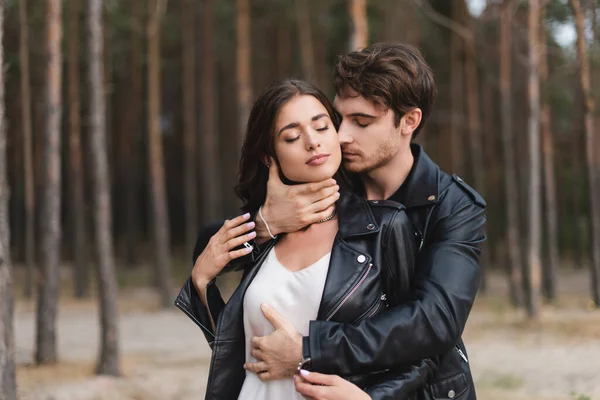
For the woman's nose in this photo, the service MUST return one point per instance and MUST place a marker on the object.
(313, 142)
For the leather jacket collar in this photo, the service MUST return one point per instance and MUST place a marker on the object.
(421, 188)
(355, 216)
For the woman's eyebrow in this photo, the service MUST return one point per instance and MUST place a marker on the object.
(296, 124)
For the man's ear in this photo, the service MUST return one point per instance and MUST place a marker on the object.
(410, 121)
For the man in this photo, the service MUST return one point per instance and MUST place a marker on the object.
(384, 95)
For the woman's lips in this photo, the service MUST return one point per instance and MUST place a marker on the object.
(318, 159)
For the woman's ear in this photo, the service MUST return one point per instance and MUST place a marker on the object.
(266, 160)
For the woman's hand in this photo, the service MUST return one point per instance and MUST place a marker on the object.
(219, 250)
(315, 386)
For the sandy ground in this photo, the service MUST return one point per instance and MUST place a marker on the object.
(164, 355)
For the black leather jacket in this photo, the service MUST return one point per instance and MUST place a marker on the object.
(450, 219)
(371, 266)
(424, 330)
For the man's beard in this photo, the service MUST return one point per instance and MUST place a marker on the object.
(380, 157)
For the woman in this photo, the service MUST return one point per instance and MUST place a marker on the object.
(333, 270)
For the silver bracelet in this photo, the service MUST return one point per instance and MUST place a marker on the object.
(265, 222)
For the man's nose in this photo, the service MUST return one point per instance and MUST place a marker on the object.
(344, 134)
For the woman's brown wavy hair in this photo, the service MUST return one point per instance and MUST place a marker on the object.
(259, 143)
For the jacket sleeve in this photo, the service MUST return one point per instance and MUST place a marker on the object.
(189, 300)
(402, 383)
(431, 322)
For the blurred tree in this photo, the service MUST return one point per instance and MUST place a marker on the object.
(534, 204)
(27, 148)
(210, 159)
(130, 135)
(550, 264)
(8, 384)
(474, 120)
(158, 196)
(457, 89)
(359, 32)
(46, 350)
(593, 164)
(307, 54)
(78, 242)
(189, 123)
(108, 360)
(243, 72)
(513, 234)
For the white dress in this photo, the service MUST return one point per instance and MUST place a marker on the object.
(296, 296)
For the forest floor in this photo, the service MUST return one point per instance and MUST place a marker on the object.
(165, 356)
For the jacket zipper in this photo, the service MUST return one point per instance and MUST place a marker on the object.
(362, 279)
(460, 353)
(189, 314)
(378, 308)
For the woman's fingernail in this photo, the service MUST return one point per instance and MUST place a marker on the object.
(264, 306)
(247, 215)
(304, 372)
(252, 235)
(249, 249)
(250, 224)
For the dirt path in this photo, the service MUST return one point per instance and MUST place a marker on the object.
(165, 356)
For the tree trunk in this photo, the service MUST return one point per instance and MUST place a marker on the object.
(513, 234)
(76, 176)
(27, 149)
(157, 169)
(550, 267)
(401, 24)
(131, 136)
(108, 360)
(474, 121)
(359, 30)
(8, 383)
(210, 161)
(244, 86)
(307, 54)
(534, 209)
(51, 200)
(189, 121)
(593, 164)
(457, 87)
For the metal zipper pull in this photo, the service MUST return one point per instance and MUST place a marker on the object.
(460, 352)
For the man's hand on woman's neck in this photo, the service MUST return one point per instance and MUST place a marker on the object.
(289, 208)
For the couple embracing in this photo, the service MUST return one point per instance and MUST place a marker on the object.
(360, 257)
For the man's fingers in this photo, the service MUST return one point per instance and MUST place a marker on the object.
(266, 376)
(323, 193)
(276, 319)
(315, 187)
(274, 172)
(256, 367)
(256, 342)
(258, 354)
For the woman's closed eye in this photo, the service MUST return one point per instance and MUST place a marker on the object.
(290, 140)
